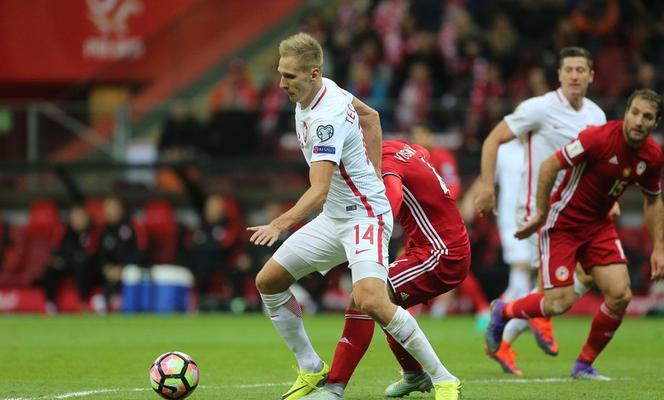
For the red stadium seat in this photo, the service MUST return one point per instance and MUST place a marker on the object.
(32, 248)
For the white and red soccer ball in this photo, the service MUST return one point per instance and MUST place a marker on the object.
(174, 375)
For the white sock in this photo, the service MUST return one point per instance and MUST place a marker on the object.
(519, 284)
(286, 315)
(579, 287)
(514, 328)
(404, 329)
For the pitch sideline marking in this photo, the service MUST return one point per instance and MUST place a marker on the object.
(258, 385)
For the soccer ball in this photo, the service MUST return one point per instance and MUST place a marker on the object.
(174, 375)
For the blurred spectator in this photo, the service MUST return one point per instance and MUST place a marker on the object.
(538, 85)
(119, 247)
(442, 160)
(646, 78)
(182, 134)
(236, 90)
(427, 14)
(367, 85)
(502, 44)
(423, 49)
(653, 44)
(215, 245)
(275, 117)
(392, 23)
(486, 101)
(565, 35)
(596, 18)
(414, 98)
(234, 123)
(74, 256)
(526, 85)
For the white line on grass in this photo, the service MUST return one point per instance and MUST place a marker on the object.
(85, 393)
(259, 385)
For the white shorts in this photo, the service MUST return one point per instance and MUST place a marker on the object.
(514, 250)
(326, 242)
(532, 242)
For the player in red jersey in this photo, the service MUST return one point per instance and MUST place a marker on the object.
(445, 164)
(436, 260)
(599, 165)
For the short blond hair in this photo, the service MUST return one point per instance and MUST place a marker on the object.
(307, 50)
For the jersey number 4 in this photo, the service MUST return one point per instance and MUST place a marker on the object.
(440, 180)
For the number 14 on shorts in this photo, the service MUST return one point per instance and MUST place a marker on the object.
(367, 236)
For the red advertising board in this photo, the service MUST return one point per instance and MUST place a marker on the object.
(48, 41)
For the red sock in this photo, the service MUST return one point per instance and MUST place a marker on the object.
(469, 287)
(354, 342)
(530, 306)
(407, 362)
(604, 325)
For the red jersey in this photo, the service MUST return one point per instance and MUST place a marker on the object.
(602, 166)
(428, 215)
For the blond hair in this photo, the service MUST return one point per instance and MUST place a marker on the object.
(305, 48)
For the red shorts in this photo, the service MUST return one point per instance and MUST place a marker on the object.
(418, 275)
(591, 246)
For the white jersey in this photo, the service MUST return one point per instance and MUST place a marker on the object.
(546, 123)
(329, 129)
(509, 165)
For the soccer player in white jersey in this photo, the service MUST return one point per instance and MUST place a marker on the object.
(545, 123)
(355, 225)
(516, 253)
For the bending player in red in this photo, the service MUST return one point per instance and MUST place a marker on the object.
(599, 165)
(436, 260)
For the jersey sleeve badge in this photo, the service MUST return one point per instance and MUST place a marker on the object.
(325, 132)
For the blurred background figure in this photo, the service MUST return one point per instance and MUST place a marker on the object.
(443, 160)
(214, 249)
(119, 247)
(182, 137)
(445, 164)
(74, 257)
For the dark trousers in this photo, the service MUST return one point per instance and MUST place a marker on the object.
(80, 274)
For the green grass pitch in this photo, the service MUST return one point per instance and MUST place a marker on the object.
(242, 357)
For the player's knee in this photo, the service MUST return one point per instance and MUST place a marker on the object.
(273, 278)
(262, 282)
(365, 301)
(620, 300)
(370, 303)
(558, 304)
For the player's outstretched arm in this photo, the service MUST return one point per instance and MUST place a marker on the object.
(372, 131)
(320, 178)
(485, 200)
(653, 210)
(547, 176)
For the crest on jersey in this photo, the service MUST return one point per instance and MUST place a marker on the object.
(325, 132)
(626, 172)
(640, 168)
(562, 273)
